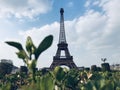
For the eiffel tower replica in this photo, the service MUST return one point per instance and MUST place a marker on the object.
(59, 59)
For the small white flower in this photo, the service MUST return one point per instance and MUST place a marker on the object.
(81, 81)
(18, 76)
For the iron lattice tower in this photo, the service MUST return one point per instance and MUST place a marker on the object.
(59, 59)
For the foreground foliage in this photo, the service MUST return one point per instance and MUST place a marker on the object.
(58, 79)
(63, 79)
(31, 56)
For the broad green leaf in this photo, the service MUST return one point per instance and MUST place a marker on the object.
(72, 79)
(15, 44)
(45, 44)
(59, 73)
(90, 86)
(117, 88)
(109, 85)
(47, 82)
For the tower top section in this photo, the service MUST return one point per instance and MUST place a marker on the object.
(61, 11)
(62, 37)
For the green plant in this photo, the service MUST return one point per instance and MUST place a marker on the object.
(47, 82)
(102, 81)
(72, 79)
(59, 75)
(32, 50)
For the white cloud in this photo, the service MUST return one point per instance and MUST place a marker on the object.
(107, 44)
(39, 33)
(96, 2)
(87, 4)
(103, 2)
(24, 8)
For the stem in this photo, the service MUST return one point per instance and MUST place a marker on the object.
(33, 75)
(30, 56)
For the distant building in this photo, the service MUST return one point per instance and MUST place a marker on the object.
(6, 61)
(81, 68)
(14, 68)
(115, 67)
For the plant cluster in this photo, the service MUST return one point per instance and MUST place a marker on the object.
(63, 79)
(32, 53)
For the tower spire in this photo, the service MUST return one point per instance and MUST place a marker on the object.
(62, 37)
(62, 58)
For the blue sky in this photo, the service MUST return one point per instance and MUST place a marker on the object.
(92, 28)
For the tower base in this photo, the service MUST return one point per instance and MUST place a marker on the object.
(62, 61)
